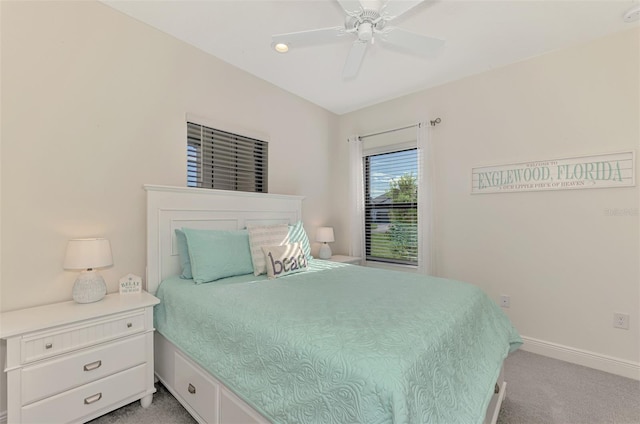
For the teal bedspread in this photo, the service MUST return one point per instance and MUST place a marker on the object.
(344, 344)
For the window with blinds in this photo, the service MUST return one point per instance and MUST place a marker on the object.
(226, 161)
(391, 207)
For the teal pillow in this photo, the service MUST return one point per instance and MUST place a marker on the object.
(183, 254)
(218, 254)
(297, 234)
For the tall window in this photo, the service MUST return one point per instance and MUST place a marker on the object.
(226, 161)
(391, 207)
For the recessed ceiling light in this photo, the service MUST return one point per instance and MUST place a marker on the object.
(281, 48)
(633, 14)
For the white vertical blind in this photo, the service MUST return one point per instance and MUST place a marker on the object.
(222, 160)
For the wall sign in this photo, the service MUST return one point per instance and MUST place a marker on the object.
(610, 170)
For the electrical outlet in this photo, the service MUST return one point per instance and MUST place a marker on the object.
(505, 301)
(621, 321)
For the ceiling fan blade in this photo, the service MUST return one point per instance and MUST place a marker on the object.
(394, 8)
(354, 60)
(351, 6)
(314, 36)
(409, 41)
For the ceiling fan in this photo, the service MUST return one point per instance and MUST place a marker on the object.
(367, 20)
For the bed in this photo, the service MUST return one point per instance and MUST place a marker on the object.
(337, 343)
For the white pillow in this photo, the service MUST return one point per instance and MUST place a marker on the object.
(271, 235)
(284, 260)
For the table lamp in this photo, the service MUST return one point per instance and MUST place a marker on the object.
(324, 236)
(88, 254)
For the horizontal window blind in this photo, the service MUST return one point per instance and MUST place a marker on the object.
(391, 207)
(226, 161)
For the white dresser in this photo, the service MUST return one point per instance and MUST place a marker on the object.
(69, 362)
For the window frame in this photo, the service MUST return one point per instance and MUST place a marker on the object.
(369, 207)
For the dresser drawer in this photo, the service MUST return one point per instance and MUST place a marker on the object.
(45, 344)
(79, 402)
(196, 389)
(59, 374)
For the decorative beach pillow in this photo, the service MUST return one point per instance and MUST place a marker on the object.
(285, 259)
(218, 254)
(270, 235)
(297, 234)
(183, 255)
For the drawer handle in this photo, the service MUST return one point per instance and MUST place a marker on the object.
(48, 346)
(92, 366)
(129, 325)
(191, 389)
(92, 399)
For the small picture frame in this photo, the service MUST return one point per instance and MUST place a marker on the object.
(130, 283)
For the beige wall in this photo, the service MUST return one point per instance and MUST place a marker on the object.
(565, 262)
(94, 107)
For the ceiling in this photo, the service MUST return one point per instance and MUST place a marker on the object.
(480, 35)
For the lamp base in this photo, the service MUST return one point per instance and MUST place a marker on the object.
(89, 287)
(325, 251)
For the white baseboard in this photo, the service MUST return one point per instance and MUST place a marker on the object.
(3, 417)
(594, 360)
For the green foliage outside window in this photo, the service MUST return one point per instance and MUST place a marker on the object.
(403, 231)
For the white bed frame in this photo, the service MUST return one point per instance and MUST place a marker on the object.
(168, 208)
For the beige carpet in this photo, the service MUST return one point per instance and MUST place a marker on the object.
(540, 390)
(164, 409)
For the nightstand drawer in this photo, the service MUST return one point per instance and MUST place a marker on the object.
(60, 374)
(87, 399)
(49, 343)
(196, 389)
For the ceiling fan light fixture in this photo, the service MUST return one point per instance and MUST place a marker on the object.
(281, 47)
(365, 31)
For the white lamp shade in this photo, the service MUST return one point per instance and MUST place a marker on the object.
(325, 235)
(88, 254)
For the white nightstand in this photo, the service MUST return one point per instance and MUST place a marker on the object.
(346, 259)
(71, 362)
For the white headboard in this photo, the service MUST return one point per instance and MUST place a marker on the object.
(169, 208)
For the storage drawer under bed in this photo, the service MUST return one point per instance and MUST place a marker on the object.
(206, 398)
(200, 392)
